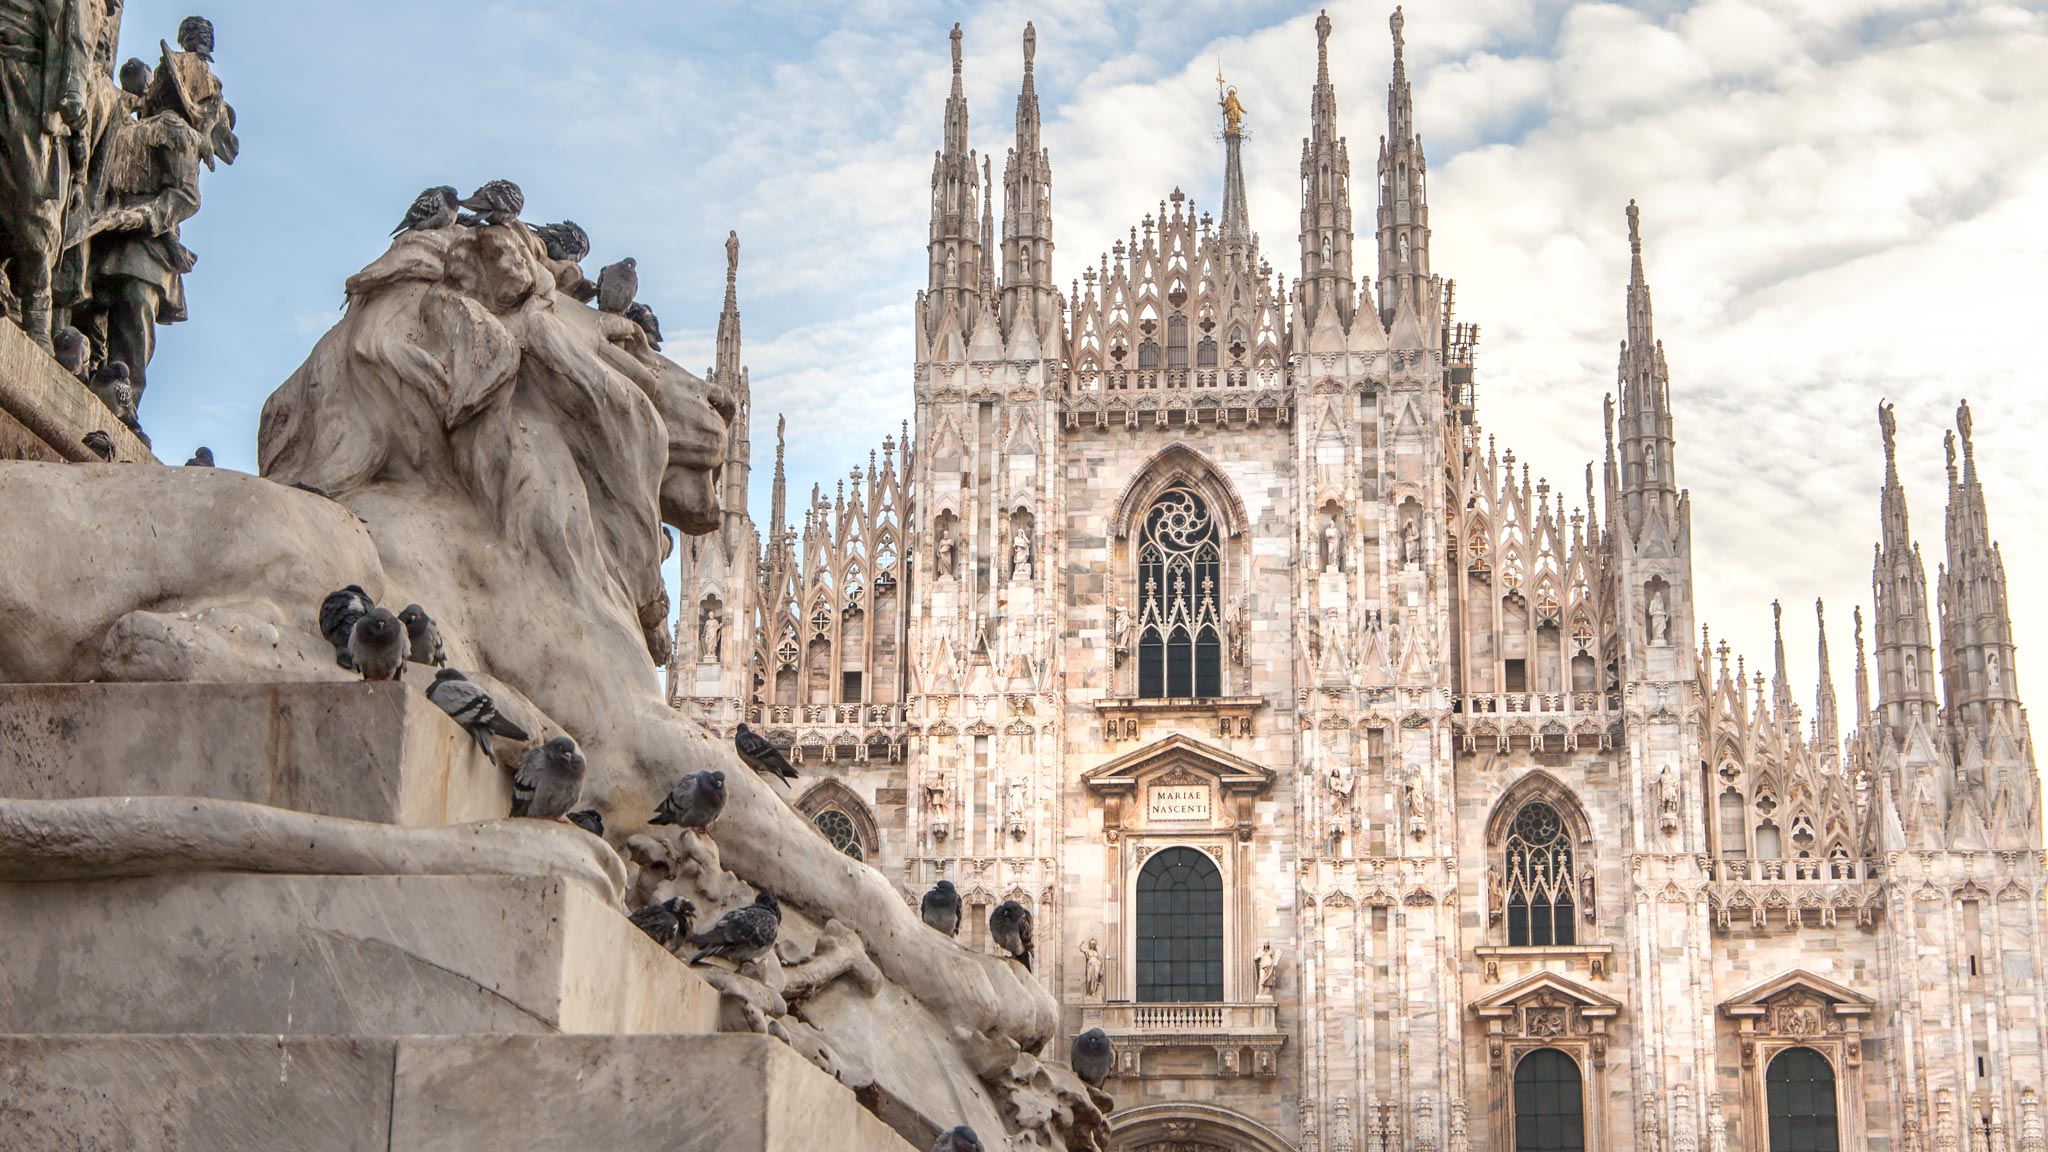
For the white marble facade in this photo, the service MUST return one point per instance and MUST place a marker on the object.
(1480, 798)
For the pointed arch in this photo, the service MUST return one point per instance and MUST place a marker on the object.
(827, 798)
(1538, 785)
(1178, 464)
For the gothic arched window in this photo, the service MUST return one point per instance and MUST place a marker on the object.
(1799, 1097)
(1180, 592)
(1180, 928)
(1540, 879)
(837, 828)
(1550, 1104)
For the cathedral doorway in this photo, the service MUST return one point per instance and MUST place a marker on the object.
(1799, 1093)
(1549, 1103)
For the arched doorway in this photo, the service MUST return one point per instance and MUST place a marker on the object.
(1550, 1103)
(1799, 1102)
(1180, 928)
(1190, 1127)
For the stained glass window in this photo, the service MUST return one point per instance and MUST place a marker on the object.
(1180, 619)
(1549, 1103)
(1799, 1095)
(1180, 928)
(1540, 879)
(837, 827)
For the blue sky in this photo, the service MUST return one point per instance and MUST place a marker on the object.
(1842, 201)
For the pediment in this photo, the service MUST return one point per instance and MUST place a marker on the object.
(1546, 986)
(1180, 756)
(1756, 999)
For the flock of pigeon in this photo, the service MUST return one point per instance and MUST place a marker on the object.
(110, 383)
(500, 202)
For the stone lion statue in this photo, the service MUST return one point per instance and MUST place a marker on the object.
(472, 439)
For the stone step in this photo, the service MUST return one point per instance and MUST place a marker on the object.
(380, 752)
(230, 1093)
(227, 952)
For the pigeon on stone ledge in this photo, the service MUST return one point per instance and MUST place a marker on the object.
(666, 921)
(431, 209)
(101, 444)
(338, 616)
(135, 77)
(376, 646)
(549, 780)
(202, 457)
(112, 384)
(617, 285)
(1010, 927)
(760, 755)
(71, 350)
(743, 934)
(644, 316)
(422, 636)
(564, 241)
(1093, 1056)
(694, 802)
(941, 908)
(497, 202)
(473, 708)
(961, 1139)
(590, 820)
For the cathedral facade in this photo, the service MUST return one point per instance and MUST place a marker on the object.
(1365, 793)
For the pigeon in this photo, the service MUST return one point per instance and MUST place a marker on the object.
(195, 35)
(549, 780)
(376, 646)
(71, 349)
(434, 208)
(1010, 927)
(202, 457)
(694, 802)
(564, 241)
(941, 908)
(760, 755)
(1092, 1057)
(617, 284)
(590, 820)
(961, 1139)
(743, 934)
(423, 637)
(644, 316)
(338, 616)
(101, 444)
(666, 921)
(473, 708)
(111, 383)
(497, 202)
(135, 77)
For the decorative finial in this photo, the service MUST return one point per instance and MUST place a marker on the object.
(1323, 32)
(1963, 426)
(1635, 229)
(1948, 441)
(1888, 424)
(956, 49)
(1030, 44)
(732, 256)
(1395, 23)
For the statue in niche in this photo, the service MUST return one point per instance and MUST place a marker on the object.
(1266, 967)
(1313, 639)
(44, 72)
(1588, 886)
(1912, 672)
(1404, 247)
(1660, 618)
(1991, 672)
(1411, 543)
(1333, 548)
(1017, 802)
(1239, 628)
(944, 550)
(1120, 631)
(1667, 800)
(1395, 638)
(710, 633)
(1496, 894)
(1020, 556)
(124, 269)
(1342, 779)
(1091, 969)
(1416, 802)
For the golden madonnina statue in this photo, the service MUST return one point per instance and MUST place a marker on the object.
(1233, 114)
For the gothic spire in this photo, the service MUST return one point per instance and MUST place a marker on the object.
(1903, 631)
(1236, 228)
(1404, 198)
(1781, 684)
(1976, 623)
(1862, 675)
(954, 247)
(726, 367)
(1325, 197)
(1028, 284)
(778, 499)
(1649, 472)
(728, 374)
(1827, 721)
